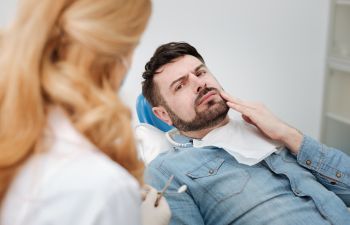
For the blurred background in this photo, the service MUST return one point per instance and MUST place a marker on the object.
(278, 52)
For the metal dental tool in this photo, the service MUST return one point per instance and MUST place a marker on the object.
(161, 193)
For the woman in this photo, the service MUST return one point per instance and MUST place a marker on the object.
(67, 154)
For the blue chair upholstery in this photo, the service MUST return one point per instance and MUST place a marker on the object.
(145, 114)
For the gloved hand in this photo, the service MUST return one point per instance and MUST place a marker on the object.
(152, 215)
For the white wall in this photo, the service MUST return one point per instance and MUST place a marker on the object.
(271, 51)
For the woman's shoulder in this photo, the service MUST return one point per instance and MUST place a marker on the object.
(92, 171)
(72, 161)
(73, 185)
(82, 172)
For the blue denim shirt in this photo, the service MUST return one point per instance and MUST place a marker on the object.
(310, 188)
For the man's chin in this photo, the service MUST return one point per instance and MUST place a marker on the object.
(207, 115)
(208, 105)
(214, 110)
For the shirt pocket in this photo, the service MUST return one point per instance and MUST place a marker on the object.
(219, 179)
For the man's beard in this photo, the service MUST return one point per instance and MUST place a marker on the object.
(215, 113)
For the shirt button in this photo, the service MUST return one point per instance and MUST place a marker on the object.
(338, 174)
(308, 162)
(211, 172)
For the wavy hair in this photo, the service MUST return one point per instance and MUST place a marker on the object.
(68, 53)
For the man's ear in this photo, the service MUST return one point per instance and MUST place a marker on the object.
(162, 114)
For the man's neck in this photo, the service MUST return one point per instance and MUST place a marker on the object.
(199, 134)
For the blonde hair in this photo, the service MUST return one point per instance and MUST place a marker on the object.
(68, 53)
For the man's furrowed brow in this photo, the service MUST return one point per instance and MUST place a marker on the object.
(177, 80)
(186, 76)
(199, 67)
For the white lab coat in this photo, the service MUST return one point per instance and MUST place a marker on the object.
(70, 183)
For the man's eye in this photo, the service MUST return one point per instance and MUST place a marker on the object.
(178, 87)
(200, 73)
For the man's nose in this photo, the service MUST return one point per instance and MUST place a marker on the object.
(197, 83)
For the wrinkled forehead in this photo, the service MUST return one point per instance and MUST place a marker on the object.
(174, 70)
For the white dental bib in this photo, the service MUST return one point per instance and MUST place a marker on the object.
(241, 140)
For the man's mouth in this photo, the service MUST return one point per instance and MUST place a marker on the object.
(207, 97)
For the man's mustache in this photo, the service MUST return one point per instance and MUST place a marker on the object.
(203, 92)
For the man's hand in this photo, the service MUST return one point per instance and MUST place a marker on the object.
(258, 115)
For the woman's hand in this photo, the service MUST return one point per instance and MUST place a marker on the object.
(151, 214)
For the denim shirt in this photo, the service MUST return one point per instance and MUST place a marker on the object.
(310, 188)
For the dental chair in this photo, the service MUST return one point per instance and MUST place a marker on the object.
(145, 115)
(150, 133)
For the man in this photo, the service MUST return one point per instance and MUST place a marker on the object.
(304, 183)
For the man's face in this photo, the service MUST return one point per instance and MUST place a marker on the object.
(191, 95)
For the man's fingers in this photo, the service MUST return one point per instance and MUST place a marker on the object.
(240, 108)
(246, 111)
(248, 120)
(238, 101)
(229, 98)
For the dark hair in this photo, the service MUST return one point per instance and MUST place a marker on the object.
(164, 54)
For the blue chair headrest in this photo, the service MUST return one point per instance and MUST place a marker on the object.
(145, 114)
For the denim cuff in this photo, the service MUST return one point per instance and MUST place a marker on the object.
(324, 160)
(310, 153)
